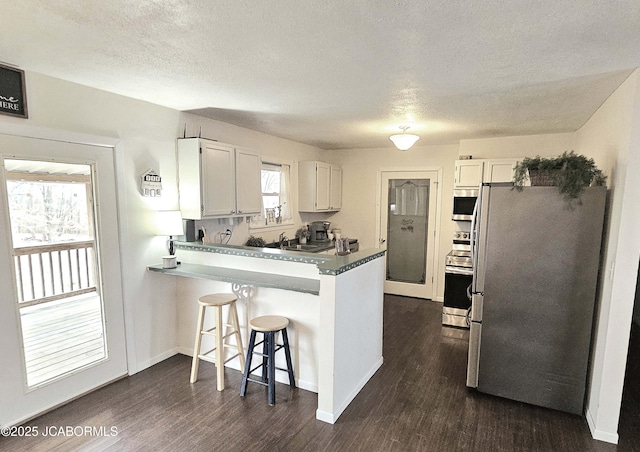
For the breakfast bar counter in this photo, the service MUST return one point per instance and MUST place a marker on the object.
(334, 304)
(242, 277)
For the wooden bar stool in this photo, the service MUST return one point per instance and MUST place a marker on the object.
(217, 301)
(268, 325)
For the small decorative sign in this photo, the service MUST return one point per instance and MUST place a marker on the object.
(13, 97)
(151, 183)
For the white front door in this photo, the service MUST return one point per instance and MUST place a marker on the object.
(61, 307)
(407, 229)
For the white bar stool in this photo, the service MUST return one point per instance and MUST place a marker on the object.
(217, 301)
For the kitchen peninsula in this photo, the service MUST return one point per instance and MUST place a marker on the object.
(334, 304)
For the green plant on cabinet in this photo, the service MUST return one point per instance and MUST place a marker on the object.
(570, 172)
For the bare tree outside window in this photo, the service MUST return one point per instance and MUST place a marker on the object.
(47, 212)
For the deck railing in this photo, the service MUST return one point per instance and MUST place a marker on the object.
(52, 272)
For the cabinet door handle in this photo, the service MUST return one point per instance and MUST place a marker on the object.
(233, 211)
(239, 211)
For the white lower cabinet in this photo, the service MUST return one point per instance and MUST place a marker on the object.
(217, 180)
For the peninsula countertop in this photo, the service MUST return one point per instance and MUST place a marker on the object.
(327, 265)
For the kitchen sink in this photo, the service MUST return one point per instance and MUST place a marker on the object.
(303, 247)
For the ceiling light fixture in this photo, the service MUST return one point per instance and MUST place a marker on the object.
(404, 141)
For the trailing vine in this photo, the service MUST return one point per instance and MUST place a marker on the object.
(570, 172)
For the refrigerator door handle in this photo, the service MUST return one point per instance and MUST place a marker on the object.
(472, 240)
(477, 303)
(473, 359)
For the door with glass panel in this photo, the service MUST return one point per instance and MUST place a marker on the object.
(407, 231)
(70, 327)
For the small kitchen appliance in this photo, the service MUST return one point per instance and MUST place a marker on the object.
(319, 230)
(464, 200)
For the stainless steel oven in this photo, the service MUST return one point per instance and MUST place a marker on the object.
(457, 282)
(464, 200)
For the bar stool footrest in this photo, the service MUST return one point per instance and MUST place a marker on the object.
(232, 357)
(260, 382)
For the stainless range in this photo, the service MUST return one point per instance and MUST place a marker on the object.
(457, 281)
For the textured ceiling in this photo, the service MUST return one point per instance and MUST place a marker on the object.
(341, 74)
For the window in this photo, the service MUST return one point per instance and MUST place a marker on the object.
(275, 196)
(51, 213)
(270, 178)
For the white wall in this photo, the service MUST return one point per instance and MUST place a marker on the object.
(359, 180)
(612, 136)
(546, 145)
(351, 314)
(147, 136)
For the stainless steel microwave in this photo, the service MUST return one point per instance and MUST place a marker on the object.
(464, 200)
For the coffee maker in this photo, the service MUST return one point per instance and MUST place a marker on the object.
(319, 230)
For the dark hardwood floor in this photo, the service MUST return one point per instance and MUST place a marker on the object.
(417, 401)
(629, 426)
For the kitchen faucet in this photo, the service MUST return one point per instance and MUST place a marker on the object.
(282, 239)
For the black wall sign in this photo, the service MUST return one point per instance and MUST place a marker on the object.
(13, 97)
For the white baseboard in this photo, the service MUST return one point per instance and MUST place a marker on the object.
(331, 418)
(158, 358)
(306, 385)
(280, 376)
(599, 434)
(325, 416)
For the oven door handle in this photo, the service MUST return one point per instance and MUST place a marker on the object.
(456, 271)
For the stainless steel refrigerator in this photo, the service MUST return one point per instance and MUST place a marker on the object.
(536, 261)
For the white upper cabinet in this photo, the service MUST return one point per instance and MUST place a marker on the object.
(471, 173)
(217, 180)
(319, 187)
(248, 190)
(499, 170)
(323, 186)
(468, 173)
(335, 195)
